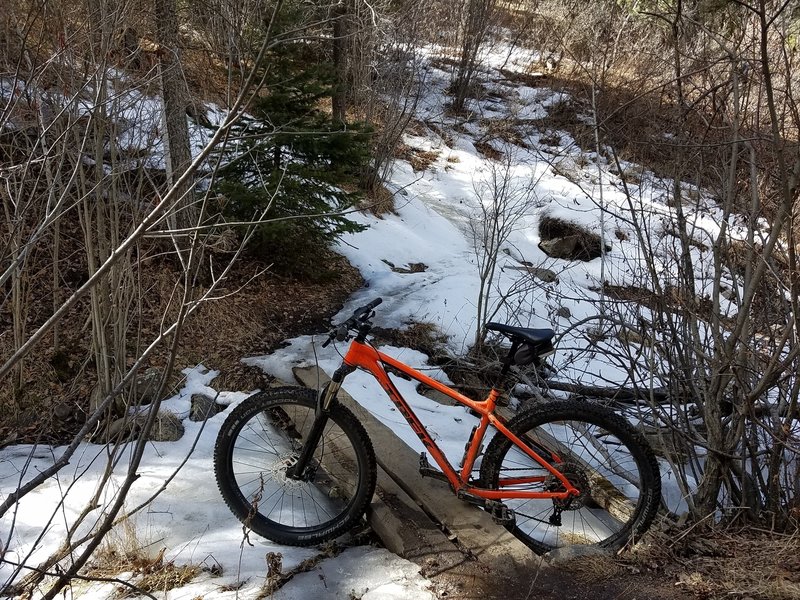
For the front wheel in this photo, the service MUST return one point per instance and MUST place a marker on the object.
(262, 438)
(599, 453)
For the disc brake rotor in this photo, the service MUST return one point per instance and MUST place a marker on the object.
(278, 469)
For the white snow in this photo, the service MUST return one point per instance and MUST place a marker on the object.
(432, 225)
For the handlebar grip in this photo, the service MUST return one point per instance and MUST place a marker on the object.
(366, 308)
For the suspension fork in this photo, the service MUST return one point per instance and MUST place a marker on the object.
(325, 399)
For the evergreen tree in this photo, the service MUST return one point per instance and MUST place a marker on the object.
(292, 160)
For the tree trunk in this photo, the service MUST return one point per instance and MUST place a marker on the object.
(175, 95)
(478, 19)
(340, 43)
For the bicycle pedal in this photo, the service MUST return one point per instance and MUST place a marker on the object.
(426, 470)
(423, 462)
(476, 500)
(500, 512)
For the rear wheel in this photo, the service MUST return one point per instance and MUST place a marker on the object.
(262, 438)
(599, 453)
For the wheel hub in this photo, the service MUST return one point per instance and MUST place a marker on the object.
(277, 472)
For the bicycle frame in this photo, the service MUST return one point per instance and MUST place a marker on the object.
(364, 356)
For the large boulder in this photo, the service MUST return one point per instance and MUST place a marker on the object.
(569, 241)
(143, 390)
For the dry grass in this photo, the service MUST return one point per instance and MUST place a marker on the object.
(509, 131)
(594, 568)
(150, 575)
(379, 201)
(747, 563)
(763, 567)
(488, 151)
(124, 553)
(420, 160)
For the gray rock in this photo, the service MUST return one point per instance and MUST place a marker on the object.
(204, 407)
(143, 390)
(167, 427)
(97, 396)
(545, 275)
(560, 247)
(145, 387)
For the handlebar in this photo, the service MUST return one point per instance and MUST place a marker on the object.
(366, 308)
(360, 317)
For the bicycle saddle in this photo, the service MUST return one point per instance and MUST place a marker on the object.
(523, 334)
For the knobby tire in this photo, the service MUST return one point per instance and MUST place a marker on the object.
(259, 440)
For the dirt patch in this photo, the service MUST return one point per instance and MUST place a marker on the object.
(563, 239)
(488, 151)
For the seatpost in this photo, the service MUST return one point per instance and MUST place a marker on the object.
(507, 363)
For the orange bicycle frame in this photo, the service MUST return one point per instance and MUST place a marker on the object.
(364, 356)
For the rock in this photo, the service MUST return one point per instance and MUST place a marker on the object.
(560, 247)
(573, 247)
(545, 275)
(143, 390)
(569, 241)
(204, 407)
(145, 387)
(96, 398)
(117, 428)
(167, 428)
(62, 410)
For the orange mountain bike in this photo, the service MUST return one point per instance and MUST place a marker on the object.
(297, 467)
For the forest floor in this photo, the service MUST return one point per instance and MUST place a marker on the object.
(262, 313)
(745, 565)
(742, 564)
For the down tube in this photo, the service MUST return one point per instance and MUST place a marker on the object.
(377, 370)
